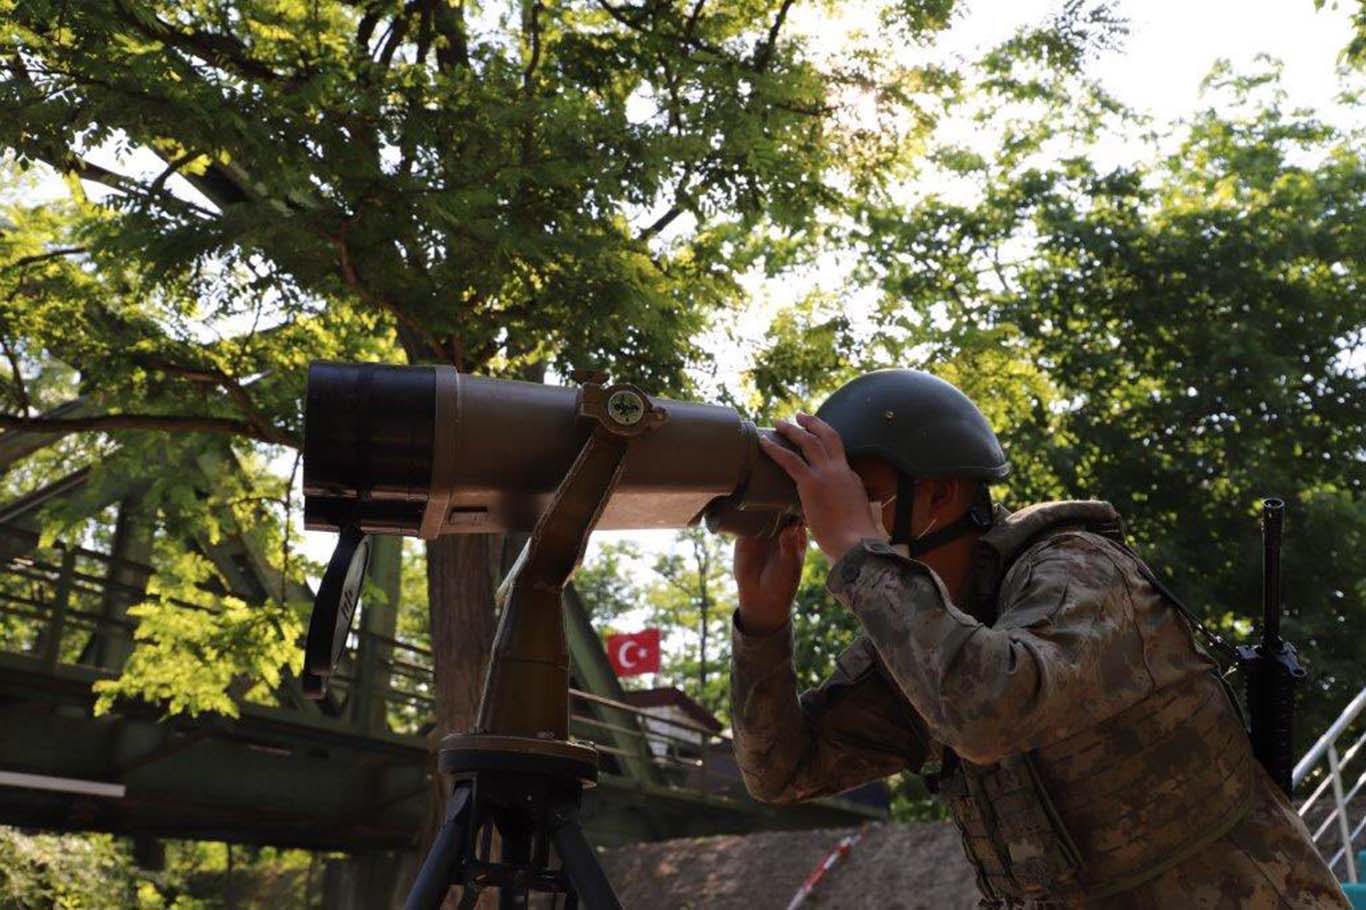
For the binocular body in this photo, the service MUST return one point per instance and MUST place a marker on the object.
(426, 451)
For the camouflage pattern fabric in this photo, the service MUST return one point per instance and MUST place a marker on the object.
(1076, 636)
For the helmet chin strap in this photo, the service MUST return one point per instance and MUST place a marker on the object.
(976, 518)
(905, 502)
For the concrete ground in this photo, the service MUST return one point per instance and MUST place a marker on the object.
(894, 867)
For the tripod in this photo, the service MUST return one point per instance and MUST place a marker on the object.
(519, 773)
(533, 801)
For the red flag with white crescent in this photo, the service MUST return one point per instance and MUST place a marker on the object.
(635, 653)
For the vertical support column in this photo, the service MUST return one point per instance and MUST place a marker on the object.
(367, 881)
(378, 622)
(704, 739)
(52, 650)
(149, 853)
(1340, 806)
(125, 584)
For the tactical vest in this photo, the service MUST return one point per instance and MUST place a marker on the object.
(1110, 807)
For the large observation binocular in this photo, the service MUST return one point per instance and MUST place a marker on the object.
(426, 451)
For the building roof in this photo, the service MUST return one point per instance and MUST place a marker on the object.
(674, 697)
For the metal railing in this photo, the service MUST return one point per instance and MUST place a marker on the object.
(684, 755)
(53, 618)
(1340, 815)
(55, 610)
(53, 604)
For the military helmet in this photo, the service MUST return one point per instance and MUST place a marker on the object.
(921, 424)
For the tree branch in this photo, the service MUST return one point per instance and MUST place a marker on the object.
(999, 268)
(173, 423)
(86, 170)
(171, 168)
(398, 30)
(225, 51)
(450, 23)
(214, 377)
(424, 32)
(284, 543)
(660, 223)
(531, 26)
(690, 40)
(21, 390)
(352, 280)
(681, 205)
(691, 28)
(23, 261)
(765, 54)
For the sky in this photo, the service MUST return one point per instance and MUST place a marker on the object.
(1170, 48)
(1173, 44)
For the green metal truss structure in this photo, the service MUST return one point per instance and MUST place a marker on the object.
(352, 772)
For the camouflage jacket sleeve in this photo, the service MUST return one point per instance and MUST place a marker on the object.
(853, 728)
(1066, 650)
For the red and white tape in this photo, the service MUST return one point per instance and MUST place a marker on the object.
(839, 852)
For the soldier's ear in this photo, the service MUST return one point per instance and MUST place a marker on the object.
(942, 492)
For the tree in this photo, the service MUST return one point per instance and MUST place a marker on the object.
(606, 582)
(1355, 51)
(693, 594)
(50, 871)
(508, 189)
(97, 872)
(1179, 336)
(822, 626)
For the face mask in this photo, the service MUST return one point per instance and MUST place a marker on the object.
(875, 512)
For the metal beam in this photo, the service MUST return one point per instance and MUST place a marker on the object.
(19, 517)
(62, 784)
(378, 622)
(126, 577)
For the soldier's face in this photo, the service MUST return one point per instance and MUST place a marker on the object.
(879, 482)
(937, 500)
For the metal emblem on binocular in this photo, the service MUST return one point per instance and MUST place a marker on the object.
(427, 451)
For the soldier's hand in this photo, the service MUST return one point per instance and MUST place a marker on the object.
(834, 502)
(767, 572)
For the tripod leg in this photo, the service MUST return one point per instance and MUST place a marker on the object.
(516, 850)
(438, 870)
(589, 882)
(469, 898)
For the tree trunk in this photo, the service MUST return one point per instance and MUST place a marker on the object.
(463, 573)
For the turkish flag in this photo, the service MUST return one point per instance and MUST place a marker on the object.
(634, 654)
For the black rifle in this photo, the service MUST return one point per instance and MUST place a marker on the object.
(1271, 669)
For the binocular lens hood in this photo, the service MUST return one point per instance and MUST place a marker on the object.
(369, 433)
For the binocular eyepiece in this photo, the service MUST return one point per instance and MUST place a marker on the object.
(425, 451)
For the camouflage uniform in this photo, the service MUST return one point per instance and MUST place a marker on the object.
(1090, 757)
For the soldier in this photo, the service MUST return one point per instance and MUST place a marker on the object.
(1086, 747)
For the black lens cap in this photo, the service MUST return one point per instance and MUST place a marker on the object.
(336, 603)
